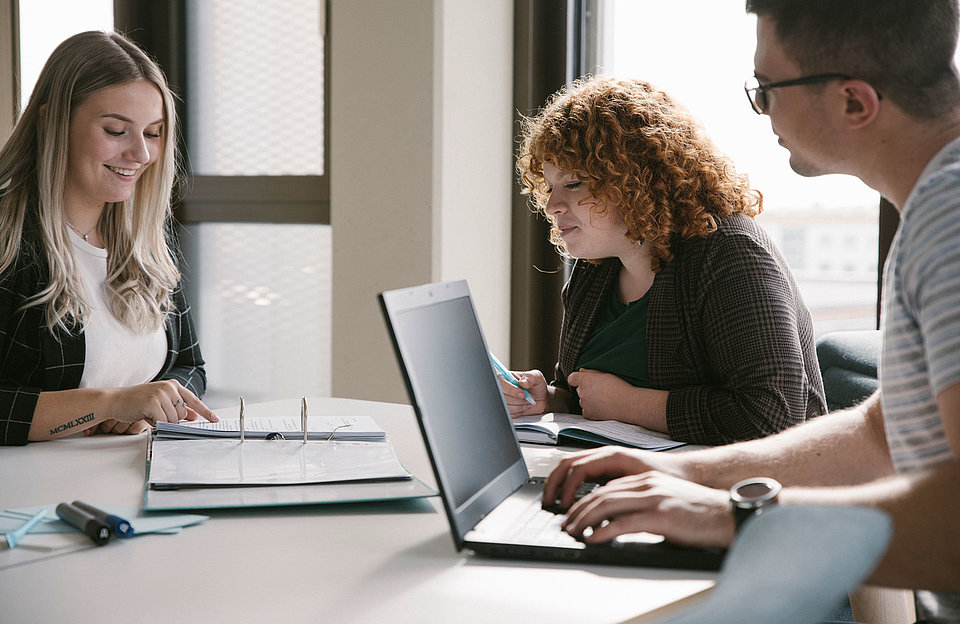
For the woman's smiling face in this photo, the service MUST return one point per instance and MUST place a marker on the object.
(115, 134)
(589, 229)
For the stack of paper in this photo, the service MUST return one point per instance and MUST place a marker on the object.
(201, 465)
(219, 463)
(357, 428)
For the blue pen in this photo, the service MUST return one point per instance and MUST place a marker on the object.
(506, 374)
(119, 526)
(13, 537)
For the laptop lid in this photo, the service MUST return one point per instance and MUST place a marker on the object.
(462, 414)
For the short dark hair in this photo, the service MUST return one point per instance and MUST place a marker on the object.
(903, 48)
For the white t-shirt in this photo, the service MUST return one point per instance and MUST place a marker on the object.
(116, 356)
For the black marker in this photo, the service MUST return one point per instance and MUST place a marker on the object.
(79, 519)
(120, 527)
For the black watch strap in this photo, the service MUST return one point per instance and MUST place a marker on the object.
(740, 515)
(751, 496)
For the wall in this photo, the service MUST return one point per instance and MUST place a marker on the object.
(8, 58)
(475, 153)
(421, 169)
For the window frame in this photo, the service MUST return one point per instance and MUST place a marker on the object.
(9, 65)
(161, 29)
(544, 54)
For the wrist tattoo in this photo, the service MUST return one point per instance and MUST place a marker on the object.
(73, 423)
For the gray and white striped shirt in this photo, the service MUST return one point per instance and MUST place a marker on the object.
(920, 319)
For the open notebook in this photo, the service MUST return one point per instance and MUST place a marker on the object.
(554, 428)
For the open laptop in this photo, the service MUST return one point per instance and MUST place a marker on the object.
(491, 503)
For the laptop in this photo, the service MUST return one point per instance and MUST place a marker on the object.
(492, 504)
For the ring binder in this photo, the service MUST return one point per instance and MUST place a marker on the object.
(242, 429)
(344, 459)
(303, 417)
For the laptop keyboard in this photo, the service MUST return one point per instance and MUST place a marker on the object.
(541, 527)
(536, 525)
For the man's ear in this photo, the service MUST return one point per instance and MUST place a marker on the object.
(862, 103)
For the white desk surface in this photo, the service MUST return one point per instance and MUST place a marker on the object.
(384, 562)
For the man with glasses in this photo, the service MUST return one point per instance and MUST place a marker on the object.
(820, 69)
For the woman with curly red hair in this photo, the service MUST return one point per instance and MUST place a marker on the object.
(680, 314)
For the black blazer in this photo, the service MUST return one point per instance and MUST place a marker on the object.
(34, 360)
(728, 335)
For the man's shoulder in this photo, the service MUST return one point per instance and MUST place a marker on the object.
(939, 185)
(933, 214)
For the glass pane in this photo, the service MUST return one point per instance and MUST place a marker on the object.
(255, 87)
(827, 227)
(44, 24)
(261, 299)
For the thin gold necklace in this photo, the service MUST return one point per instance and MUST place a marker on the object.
(84, 236)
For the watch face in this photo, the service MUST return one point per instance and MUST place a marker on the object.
(754, 492)
(751, 496)
(755, 489)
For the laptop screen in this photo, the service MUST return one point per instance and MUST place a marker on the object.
(457, 396)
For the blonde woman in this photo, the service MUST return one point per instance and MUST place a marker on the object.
(680, 315)
(95, 333)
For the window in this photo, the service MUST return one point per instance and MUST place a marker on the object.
(257, 234)
(701, 51)
(255, 87)
(44, 24)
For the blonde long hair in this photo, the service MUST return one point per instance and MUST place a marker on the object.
(141, 270)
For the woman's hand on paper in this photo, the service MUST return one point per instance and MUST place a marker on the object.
(154, 402)
(535, 383)
(604, 396)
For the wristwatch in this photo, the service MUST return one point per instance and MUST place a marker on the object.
(751, 496)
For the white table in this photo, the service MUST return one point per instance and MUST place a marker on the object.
(384, 562)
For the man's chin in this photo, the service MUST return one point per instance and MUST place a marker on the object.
(806, 168)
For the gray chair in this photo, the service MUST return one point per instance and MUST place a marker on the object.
(848, 365)
(792, 565)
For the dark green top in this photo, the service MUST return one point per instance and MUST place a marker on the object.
(618, 342)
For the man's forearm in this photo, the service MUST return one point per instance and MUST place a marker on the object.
(842, 448)
(924, 552)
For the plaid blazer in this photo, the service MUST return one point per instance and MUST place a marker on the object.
(728, 335)
(34, 360)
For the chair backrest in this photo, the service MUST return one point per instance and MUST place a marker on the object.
(792, 565)
(848, 366)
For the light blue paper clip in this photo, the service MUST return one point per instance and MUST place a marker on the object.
(15, 536)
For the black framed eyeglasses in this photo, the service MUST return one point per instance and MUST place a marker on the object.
(757, 91)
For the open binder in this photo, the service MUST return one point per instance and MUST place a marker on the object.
(251, 471)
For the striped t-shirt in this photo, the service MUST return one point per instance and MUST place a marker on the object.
(920, 356)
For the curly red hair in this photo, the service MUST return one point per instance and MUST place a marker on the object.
(641, 154)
